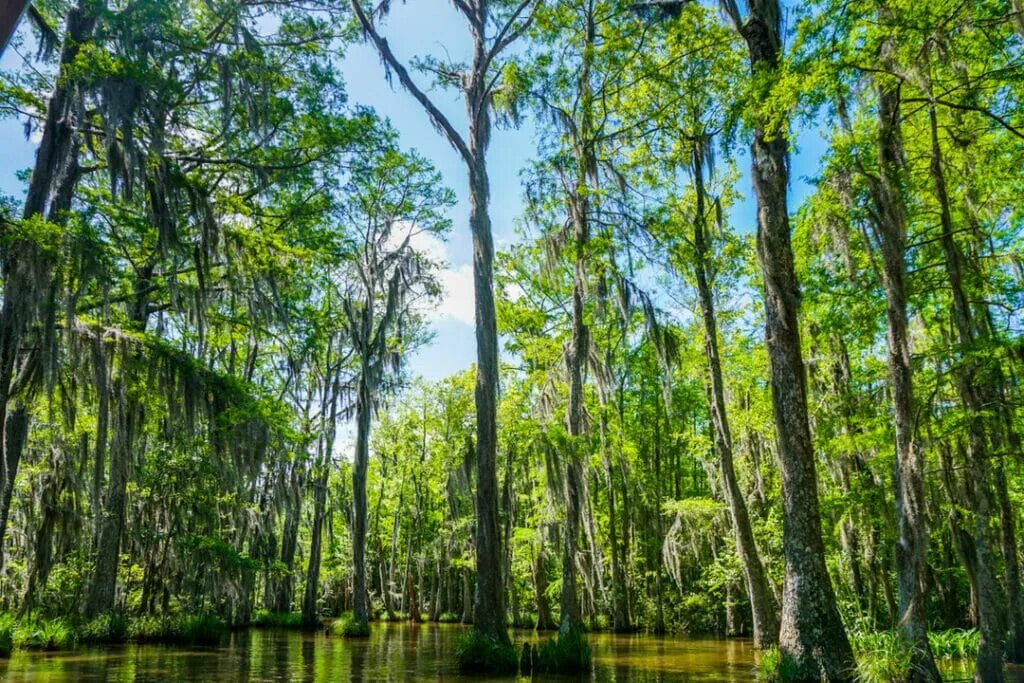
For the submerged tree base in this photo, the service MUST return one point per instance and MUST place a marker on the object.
(477, 652)
(566, 653)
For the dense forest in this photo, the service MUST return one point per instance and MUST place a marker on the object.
(804, 428)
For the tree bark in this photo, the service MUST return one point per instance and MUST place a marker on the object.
(908, 475)
(989, 665)
(811, 637)
(763, 609)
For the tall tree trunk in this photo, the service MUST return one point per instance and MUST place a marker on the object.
(489, 605)
(908, 475)
(128, 414)
(359, 501)
(15, 435)
(762, 605)
(811, 637)
(26, 266)
(312, 588)
(989, 666)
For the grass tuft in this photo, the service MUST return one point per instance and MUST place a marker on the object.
(267, 619)
(109, 628)
(479, 653)
(348, 626)
(44, 634)
(566, 653)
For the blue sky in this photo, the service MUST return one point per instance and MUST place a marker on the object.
(421, 28)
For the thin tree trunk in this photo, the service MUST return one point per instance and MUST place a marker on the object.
(912, 545)
(762, 605)
(359, 502)
(989, 666)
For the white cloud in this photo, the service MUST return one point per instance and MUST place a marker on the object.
(457, 299)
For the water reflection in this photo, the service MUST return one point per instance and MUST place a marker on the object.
(394, 652)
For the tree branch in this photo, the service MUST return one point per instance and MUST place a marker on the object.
(439, 119)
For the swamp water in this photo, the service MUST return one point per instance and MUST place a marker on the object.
(394, 652)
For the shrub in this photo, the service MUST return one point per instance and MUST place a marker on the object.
(956, 643)
(204, 629)
(773, 666)
(151, 629)
(566, 653)
(6, 635)
(449, 618)
(348, 626)
(268, 619)
(109, 628)
(44, 634)
(476, 652)
(881, 657)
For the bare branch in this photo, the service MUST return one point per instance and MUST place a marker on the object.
(438, 119)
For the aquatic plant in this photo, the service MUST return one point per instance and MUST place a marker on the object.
(6, 635)
(44, 634)
(476, 652)
(566, 653)
(955, 643)
(267, 619)
(348, 626)
(203, 629)
(109, 628)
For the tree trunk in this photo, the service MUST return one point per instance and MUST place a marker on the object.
(312, 590)
(26, 267)
(765, 621)
(359, 502)
(15, 434)
(128, 412)
(489, 605)
(908, 475)
(989, 666)
(811, 637)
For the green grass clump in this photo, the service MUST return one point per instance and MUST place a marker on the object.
(151, 629)
(267, 619)
(449, 618)
(882, 657)
(773, 666)
(348, 626)
(476, 652)
(956, 643)
(44, 634)
(204, 629)
(109, 628)
(6, 635)
(566, 653)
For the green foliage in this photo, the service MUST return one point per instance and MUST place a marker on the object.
(348, 626)
(200, 629)
(954, 643)
(698, 613)
(566, 653)
(268, 619)
(7, 627)
(449, 618)
(774, 667)
(882, 657)
(44, 634)
(478, 653)
(109, 628)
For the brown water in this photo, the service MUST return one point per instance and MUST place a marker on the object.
(394, 652)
